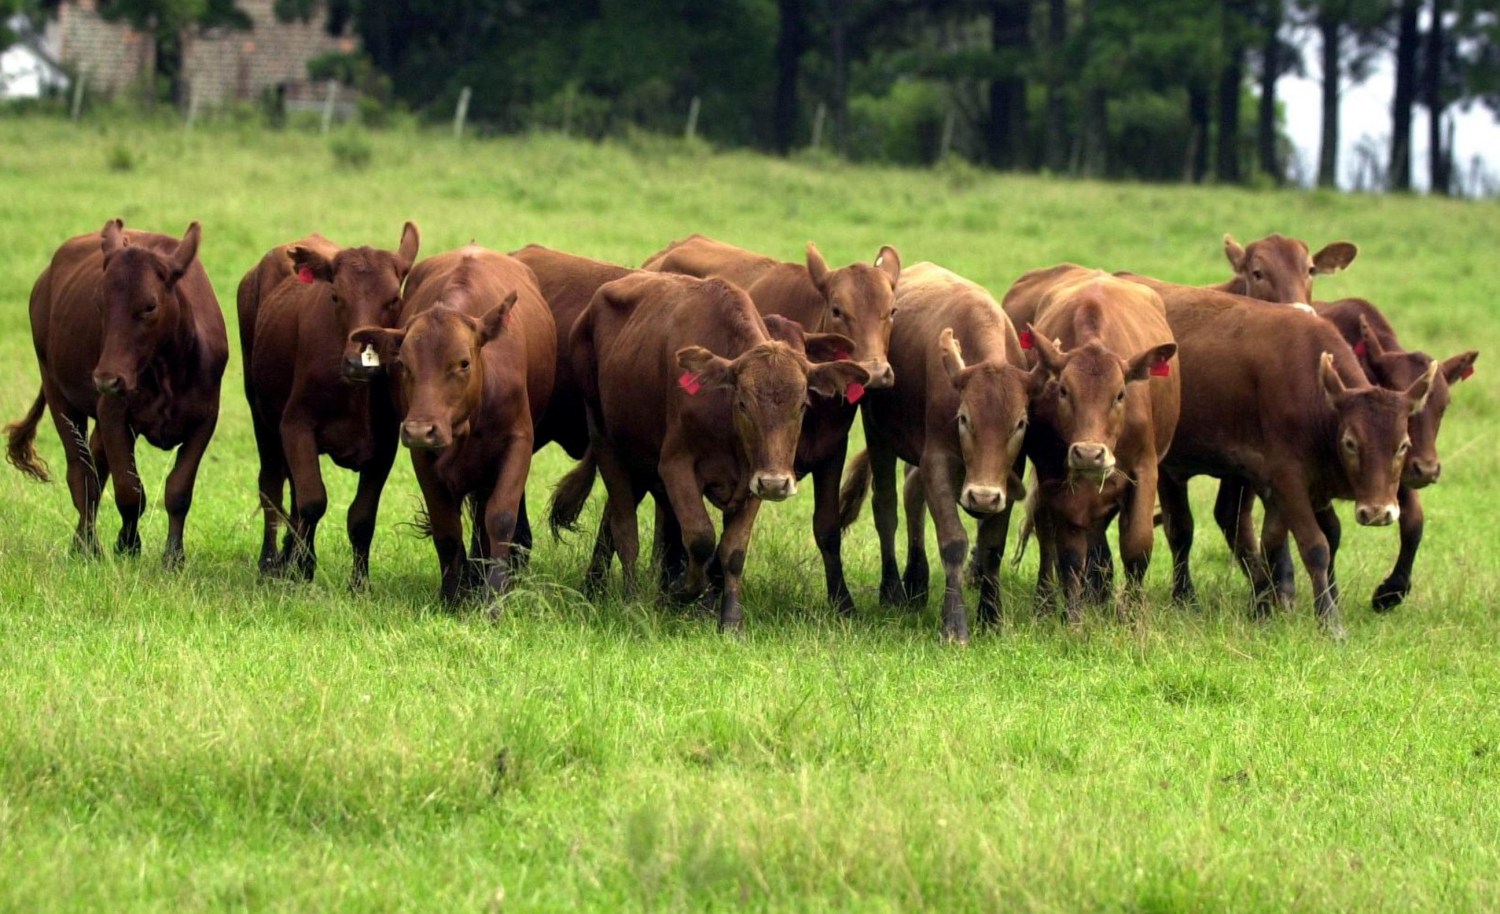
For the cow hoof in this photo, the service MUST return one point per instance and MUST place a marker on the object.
(1389, 595)
(128, 545)
(1336, 632)
(956, 636)
(86, 547)
(172, 560)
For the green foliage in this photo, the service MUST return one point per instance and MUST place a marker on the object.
(903, 126)
(351, 148)
(121, 157)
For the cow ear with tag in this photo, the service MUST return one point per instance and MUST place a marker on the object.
(1155, 362)
(888, 261)
(384, 344)
(309, 265)
(1459, 367)
(828, 347)
(842, 378)
(495, 320)
(1048, 352)
(702, 370)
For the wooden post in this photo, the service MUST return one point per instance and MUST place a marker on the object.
(692, 121)
(819, 116)
(567, 123)
(946, 145)
(333, 94)
(461, 113)
(83, 77)
(192, 112)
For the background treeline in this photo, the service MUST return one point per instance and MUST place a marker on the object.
(1158, 90)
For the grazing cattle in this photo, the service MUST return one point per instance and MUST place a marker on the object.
(128, 333)
(1386, 364)
(1279, 401)
(959, 415)
(306, 385)
(1281, 269)
(690, 397)
(856, 301)
(1097, 432)
(471, 370)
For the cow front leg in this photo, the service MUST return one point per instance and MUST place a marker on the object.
(1397, 584)
(502, 512)
(988, 551)
(938, 478)
(446, 524)
(914, 580)
(1177, 519)
(830, 539)
(309, 496)
(1301, 520)
(130, 492)
(883, 507)
(85, 482)
(733, 546)
(685, 500)
(366, 506)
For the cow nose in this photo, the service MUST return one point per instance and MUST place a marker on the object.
(1089, 456)
(1425, 472)
(983, 499)
(110, 385)
(419, 434)
(775, 486)
(1377, 515)
(881, 374)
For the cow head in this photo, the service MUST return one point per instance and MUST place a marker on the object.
(1281, 269)
(1398, 370)
(860, 302)
(438, 357)
(140, 309)
(365, 291)
(1085, 396)
(1372, 437)
(770, 385)
(992, 403)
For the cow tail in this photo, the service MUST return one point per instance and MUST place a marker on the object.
(855, 489)
(571, 493)
(20, 442)
(1028, 523)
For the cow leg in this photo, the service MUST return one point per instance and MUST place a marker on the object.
(1269, 576)
(988, 551)
(1072, 552)
(1137, 535)
(685, 500)
(309, 497)
(366, 506)
(883, 505)
(619, 517)
(1043, 528)
(502, 512)
(604, 552)
(1234, 511)
(130, 494)
(914, 579)
(671, 558)
(1177, 519)
(84, 479)
(179, 488)
(732, 548)
(1099, 566)
(938, 477)
(1328, 522)
(269, 483)
(446, 524)
(1397, 584)
(99, 463)
(830, 539)
(1301, 520)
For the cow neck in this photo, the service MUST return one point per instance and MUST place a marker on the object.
(175, 364)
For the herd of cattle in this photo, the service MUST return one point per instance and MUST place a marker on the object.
(717, 373)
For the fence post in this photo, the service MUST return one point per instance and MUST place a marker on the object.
(333, 94)
(192, 112)
(461, 113)
(692, 121)
(819, 116)
(947, 143)
(83, 77)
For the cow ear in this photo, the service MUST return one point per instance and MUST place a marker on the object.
(952, 354)
(309, 264)
(1459, 367)
(112, 238)
(1334, 257)
(1153, 362)
(888, 261)
(1015, 487)
(1371, 343)
(406, 254)
(834, 379)
(494, 320)
(702, 368)
(828, 347)
(1047, 352)
(1233, 252)
(786, 331)
(1328, 377)
(817, 267)
(187, 249)
(1421, 389)
(386, 343)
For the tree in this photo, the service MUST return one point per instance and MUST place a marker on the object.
(1405, 95)
(1349, 35)
(1054, 149)
(1277, 58)
(1010, 42)
(791, 41)
(1234, 34)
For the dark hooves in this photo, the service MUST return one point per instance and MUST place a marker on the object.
(1389, 595)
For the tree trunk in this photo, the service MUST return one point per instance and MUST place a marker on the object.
(1432, 92)
(1270, 71)
(790, 42)
(1196, 165)
(1405, 96)
(1055, 142)
(838, 11)
(1231, 82)
(1010, 40)
(1328, 151)
(1094, 135)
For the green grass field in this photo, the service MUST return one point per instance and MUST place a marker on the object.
(202, 740)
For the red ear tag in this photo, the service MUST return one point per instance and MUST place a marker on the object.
(1468, 373)
(689, 383)
(1026, 341)
(1161, 369)
(304, 275)
(1360, 349)
(854, 391)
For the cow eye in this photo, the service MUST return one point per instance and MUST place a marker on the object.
(891, 315)
(1350, 444)
(1062, 392)
(740, 405)
(463, 365)
(1258, 274)
(838, 313)
(1405, 446)
(150, 307)
(1120, 397)
(963, 420)
(1021, 426)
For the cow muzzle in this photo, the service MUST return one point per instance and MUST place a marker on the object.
(421, 435)
(773, 486)
(882, 375)
(981, 501)
(1377, 515)
(1420, 473)
(110, 384)
(1091, 459)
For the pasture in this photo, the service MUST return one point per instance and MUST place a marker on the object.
(201, 740)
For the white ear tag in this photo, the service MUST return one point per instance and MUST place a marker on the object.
(368, 357)
(1303, 306)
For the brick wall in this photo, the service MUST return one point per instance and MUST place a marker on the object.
(110, 55)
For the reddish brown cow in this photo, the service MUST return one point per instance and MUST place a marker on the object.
(856, 301)
(471, 372)
(305, 382)
(690, 397)
(1098, 433)
(1281, 269)
(1278, 399)
(959, 416)
(128, 333)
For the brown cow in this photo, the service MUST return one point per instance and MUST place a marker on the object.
(690, 397)
(1281, 269)
(127, 332)
(959, 415)
(856, 301)
(305, 383)
(1386, 364)
(1278, 399)
(471, 373)
(1097, 434)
